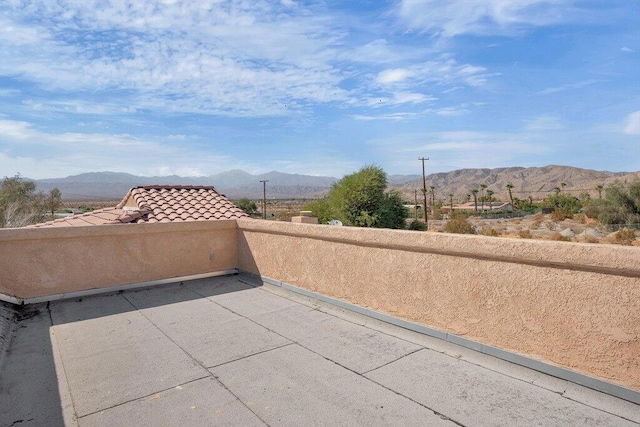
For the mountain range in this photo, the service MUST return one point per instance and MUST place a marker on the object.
(534, 181)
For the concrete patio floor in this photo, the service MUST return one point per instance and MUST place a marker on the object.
(230, 351)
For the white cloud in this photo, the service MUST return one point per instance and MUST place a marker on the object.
(543, 123)
(452, 111)
(627, 49)
(391, 117)
(459, 149)
(568, 86)
(633, 124)
(449, 18)
(226, 58)
(393, 76)
(34, 153)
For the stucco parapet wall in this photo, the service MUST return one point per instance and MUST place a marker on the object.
(598, 258)
(89, 231)
(40, 262)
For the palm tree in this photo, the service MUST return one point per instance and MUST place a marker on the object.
(599, 188)
(474, 191)
(509, 187)
(562, 185)
(490, 193)
(482, 187)
(451, 201)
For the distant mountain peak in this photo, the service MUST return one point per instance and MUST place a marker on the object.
(237, 183)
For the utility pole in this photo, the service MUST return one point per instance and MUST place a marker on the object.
(424, 191)
(264, 198)
(415, 204)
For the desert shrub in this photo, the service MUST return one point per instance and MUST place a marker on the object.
(560, 214)
(537, 220)
(525, 234)
(417, 225)
(620, 206)
(580, 218)
(625, 236)
(459, 225)
(284, 216)
(563, 202)
(490, 232)
(590, 239)
(559, 237)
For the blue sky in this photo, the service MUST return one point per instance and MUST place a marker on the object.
(322, 88)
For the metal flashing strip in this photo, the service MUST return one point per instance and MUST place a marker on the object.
(537, 365)
(96, 291)
(11, 299)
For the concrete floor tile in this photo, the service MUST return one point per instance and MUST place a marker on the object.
(29, 386)
(252, 302)
(472, 395)
(216, 286)
(356, 347)
(209, 333)
(292, 386)
(200, 403)
(94, 307)
(117, 358)
(603, 401)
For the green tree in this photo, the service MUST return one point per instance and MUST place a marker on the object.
(619, 206)
(569, 204)
(21, 205)
(248, 206)
(392, 213)
(53, 201)
(360, 200)
(322, 209)
(599, 189)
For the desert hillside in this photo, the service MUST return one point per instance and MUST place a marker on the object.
(533, 181)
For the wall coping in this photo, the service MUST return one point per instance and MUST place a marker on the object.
(88, 231)
(588, 257)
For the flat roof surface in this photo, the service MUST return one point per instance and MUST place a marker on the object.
(230, 351)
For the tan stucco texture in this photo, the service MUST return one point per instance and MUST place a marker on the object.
(574, 305)
(40, 262)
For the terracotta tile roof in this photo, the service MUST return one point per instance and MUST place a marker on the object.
(98, 217)
(166, 203)
(158, 203)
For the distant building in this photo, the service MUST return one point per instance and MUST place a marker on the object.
(158, 203)
(471, 206)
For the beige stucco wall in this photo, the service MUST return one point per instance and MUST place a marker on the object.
(46, 261)
(574, 305)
